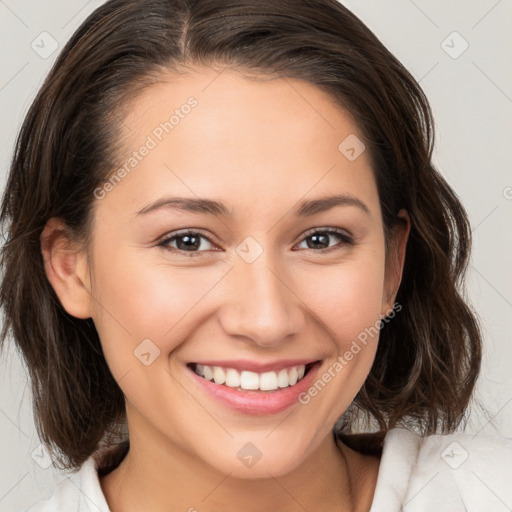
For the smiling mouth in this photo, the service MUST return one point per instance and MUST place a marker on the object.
(246, 380)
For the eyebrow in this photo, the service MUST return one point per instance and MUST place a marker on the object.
(218, 209)
(314, 206)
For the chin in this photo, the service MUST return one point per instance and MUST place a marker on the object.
(257, 458)
(275, 465)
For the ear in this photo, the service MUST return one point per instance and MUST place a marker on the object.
(395, 260)
(67, 268)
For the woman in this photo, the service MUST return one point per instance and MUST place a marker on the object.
(226, 235)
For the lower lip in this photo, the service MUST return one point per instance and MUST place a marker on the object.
(257, 402)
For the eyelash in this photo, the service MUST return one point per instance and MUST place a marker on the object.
(346, 240)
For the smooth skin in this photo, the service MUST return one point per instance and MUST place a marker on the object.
(261, 148)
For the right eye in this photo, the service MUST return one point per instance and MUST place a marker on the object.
(187, 243)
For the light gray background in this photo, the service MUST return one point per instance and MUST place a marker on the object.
(471, 96)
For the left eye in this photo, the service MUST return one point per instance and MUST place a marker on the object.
(322, 237)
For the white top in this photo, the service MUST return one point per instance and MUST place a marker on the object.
(438, 473)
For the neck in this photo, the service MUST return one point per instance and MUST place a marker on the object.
(159, 476)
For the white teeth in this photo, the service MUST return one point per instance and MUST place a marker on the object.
(282, 379)
(293, 376)
(267, 381)
(218, 375)
(232, 378)
(207, 372)
(249, 380)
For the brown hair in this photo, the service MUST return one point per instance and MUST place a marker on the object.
(428, 356)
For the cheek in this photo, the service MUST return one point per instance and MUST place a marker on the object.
(347, 298)
(138, 300)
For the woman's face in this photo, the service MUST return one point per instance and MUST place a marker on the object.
(273, 275)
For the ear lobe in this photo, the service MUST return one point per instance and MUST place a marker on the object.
(66, 268)
(395, 260)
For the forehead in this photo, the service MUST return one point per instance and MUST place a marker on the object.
(217, 130)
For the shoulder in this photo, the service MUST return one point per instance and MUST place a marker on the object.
(73, 492)
(81, 491)
(467, 472)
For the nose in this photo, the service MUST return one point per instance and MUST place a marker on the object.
(261, 307)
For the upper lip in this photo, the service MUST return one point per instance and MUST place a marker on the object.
(253, 366)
